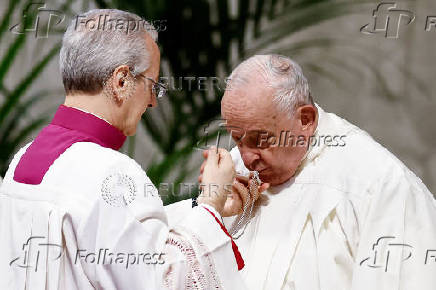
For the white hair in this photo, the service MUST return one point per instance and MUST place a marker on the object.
(90, 53)
(279, 72)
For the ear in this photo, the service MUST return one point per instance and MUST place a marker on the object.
(121, 83)
(308, 117)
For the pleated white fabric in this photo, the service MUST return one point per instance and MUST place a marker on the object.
(97, 222)
(353, 217)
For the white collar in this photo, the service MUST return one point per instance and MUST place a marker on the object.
(100, 117)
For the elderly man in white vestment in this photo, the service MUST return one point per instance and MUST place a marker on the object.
(77, 214)
(342, 212)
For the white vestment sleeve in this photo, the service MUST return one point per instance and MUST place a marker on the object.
(175, 212)
(103, 226)
(195, 254)
(397, 248)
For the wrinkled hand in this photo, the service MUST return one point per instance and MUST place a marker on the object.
(238, 194)
(216, 176)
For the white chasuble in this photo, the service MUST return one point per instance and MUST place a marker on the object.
(77, 214)
(353, 217)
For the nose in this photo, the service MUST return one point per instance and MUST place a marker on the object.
(249, 157)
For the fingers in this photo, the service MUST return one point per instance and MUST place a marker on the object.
(200, 177)
(202, 167)
(219, 155)
(233, 204)
(263, 187)
(225, 156)
(226, 161)
(242, 191)
(242, 179)
(212, 157)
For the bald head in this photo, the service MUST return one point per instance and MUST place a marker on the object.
(266, 96)
(284, 77)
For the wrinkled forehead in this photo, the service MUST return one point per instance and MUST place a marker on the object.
(241, 109)
(245, 76)
(248, 97)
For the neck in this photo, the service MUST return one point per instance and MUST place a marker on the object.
(98, 105)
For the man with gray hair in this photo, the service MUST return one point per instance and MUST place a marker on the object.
(77, 214)
(341, 211)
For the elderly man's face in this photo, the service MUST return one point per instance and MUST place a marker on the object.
(256, 126)
(143, 97)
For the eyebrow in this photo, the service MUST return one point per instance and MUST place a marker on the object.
(261, 131)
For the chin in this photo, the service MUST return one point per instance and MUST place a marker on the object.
(276, 178)
(267, 177)
(130, 131)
